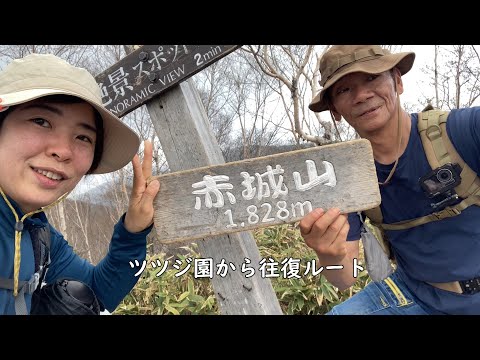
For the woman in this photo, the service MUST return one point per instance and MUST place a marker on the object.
(53, 131)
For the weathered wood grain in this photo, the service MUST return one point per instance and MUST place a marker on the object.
(182, 126)
(245, 195)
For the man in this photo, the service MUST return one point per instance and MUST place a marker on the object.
(362, 84)
(53, 131)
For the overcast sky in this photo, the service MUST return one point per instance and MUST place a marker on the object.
(415, 82)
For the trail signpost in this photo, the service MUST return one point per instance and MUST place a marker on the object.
(204, 198)
(183, 128)
(153, 69)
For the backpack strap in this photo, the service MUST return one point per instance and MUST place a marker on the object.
(41, 239)
(439, 151)
(24, 287)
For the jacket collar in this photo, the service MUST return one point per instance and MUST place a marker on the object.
(8, 218)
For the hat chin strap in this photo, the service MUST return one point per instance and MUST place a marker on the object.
(18, 234)
(398, 146)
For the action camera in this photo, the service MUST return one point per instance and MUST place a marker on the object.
(441, 180)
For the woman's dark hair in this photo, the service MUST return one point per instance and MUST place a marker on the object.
(3, 115)
(67, 99)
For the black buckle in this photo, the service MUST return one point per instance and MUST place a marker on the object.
(471, 286)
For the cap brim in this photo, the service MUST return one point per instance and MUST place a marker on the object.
(120, 142)
(403, 61)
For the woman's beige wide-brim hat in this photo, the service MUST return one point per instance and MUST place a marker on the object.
(341, 60)
(38, 75)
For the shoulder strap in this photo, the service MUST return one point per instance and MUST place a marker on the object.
(375, 215)
(41, 244)
(431, 126)
(41, 240)
(439, 151)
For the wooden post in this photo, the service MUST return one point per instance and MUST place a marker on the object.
(187, 140)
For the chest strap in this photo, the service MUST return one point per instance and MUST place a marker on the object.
(24, 287)
(449, 211)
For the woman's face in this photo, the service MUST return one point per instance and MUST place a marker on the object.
(45, 149)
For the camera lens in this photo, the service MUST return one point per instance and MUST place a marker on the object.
(444, 176)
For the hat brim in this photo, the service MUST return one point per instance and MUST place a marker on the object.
(403, 61)
(120, 142)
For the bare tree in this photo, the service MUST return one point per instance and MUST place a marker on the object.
(292, 68)
(237, 99)
(216, 91)
(455, 76)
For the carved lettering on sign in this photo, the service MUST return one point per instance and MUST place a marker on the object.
(153, 69)
(265, 191)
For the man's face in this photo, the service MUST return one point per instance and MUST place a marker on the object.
(367, 101)
(45, 149)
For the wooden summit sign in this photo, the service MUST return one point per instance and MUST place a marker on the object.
(152, 69)
(182, 127)
(265, 191)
